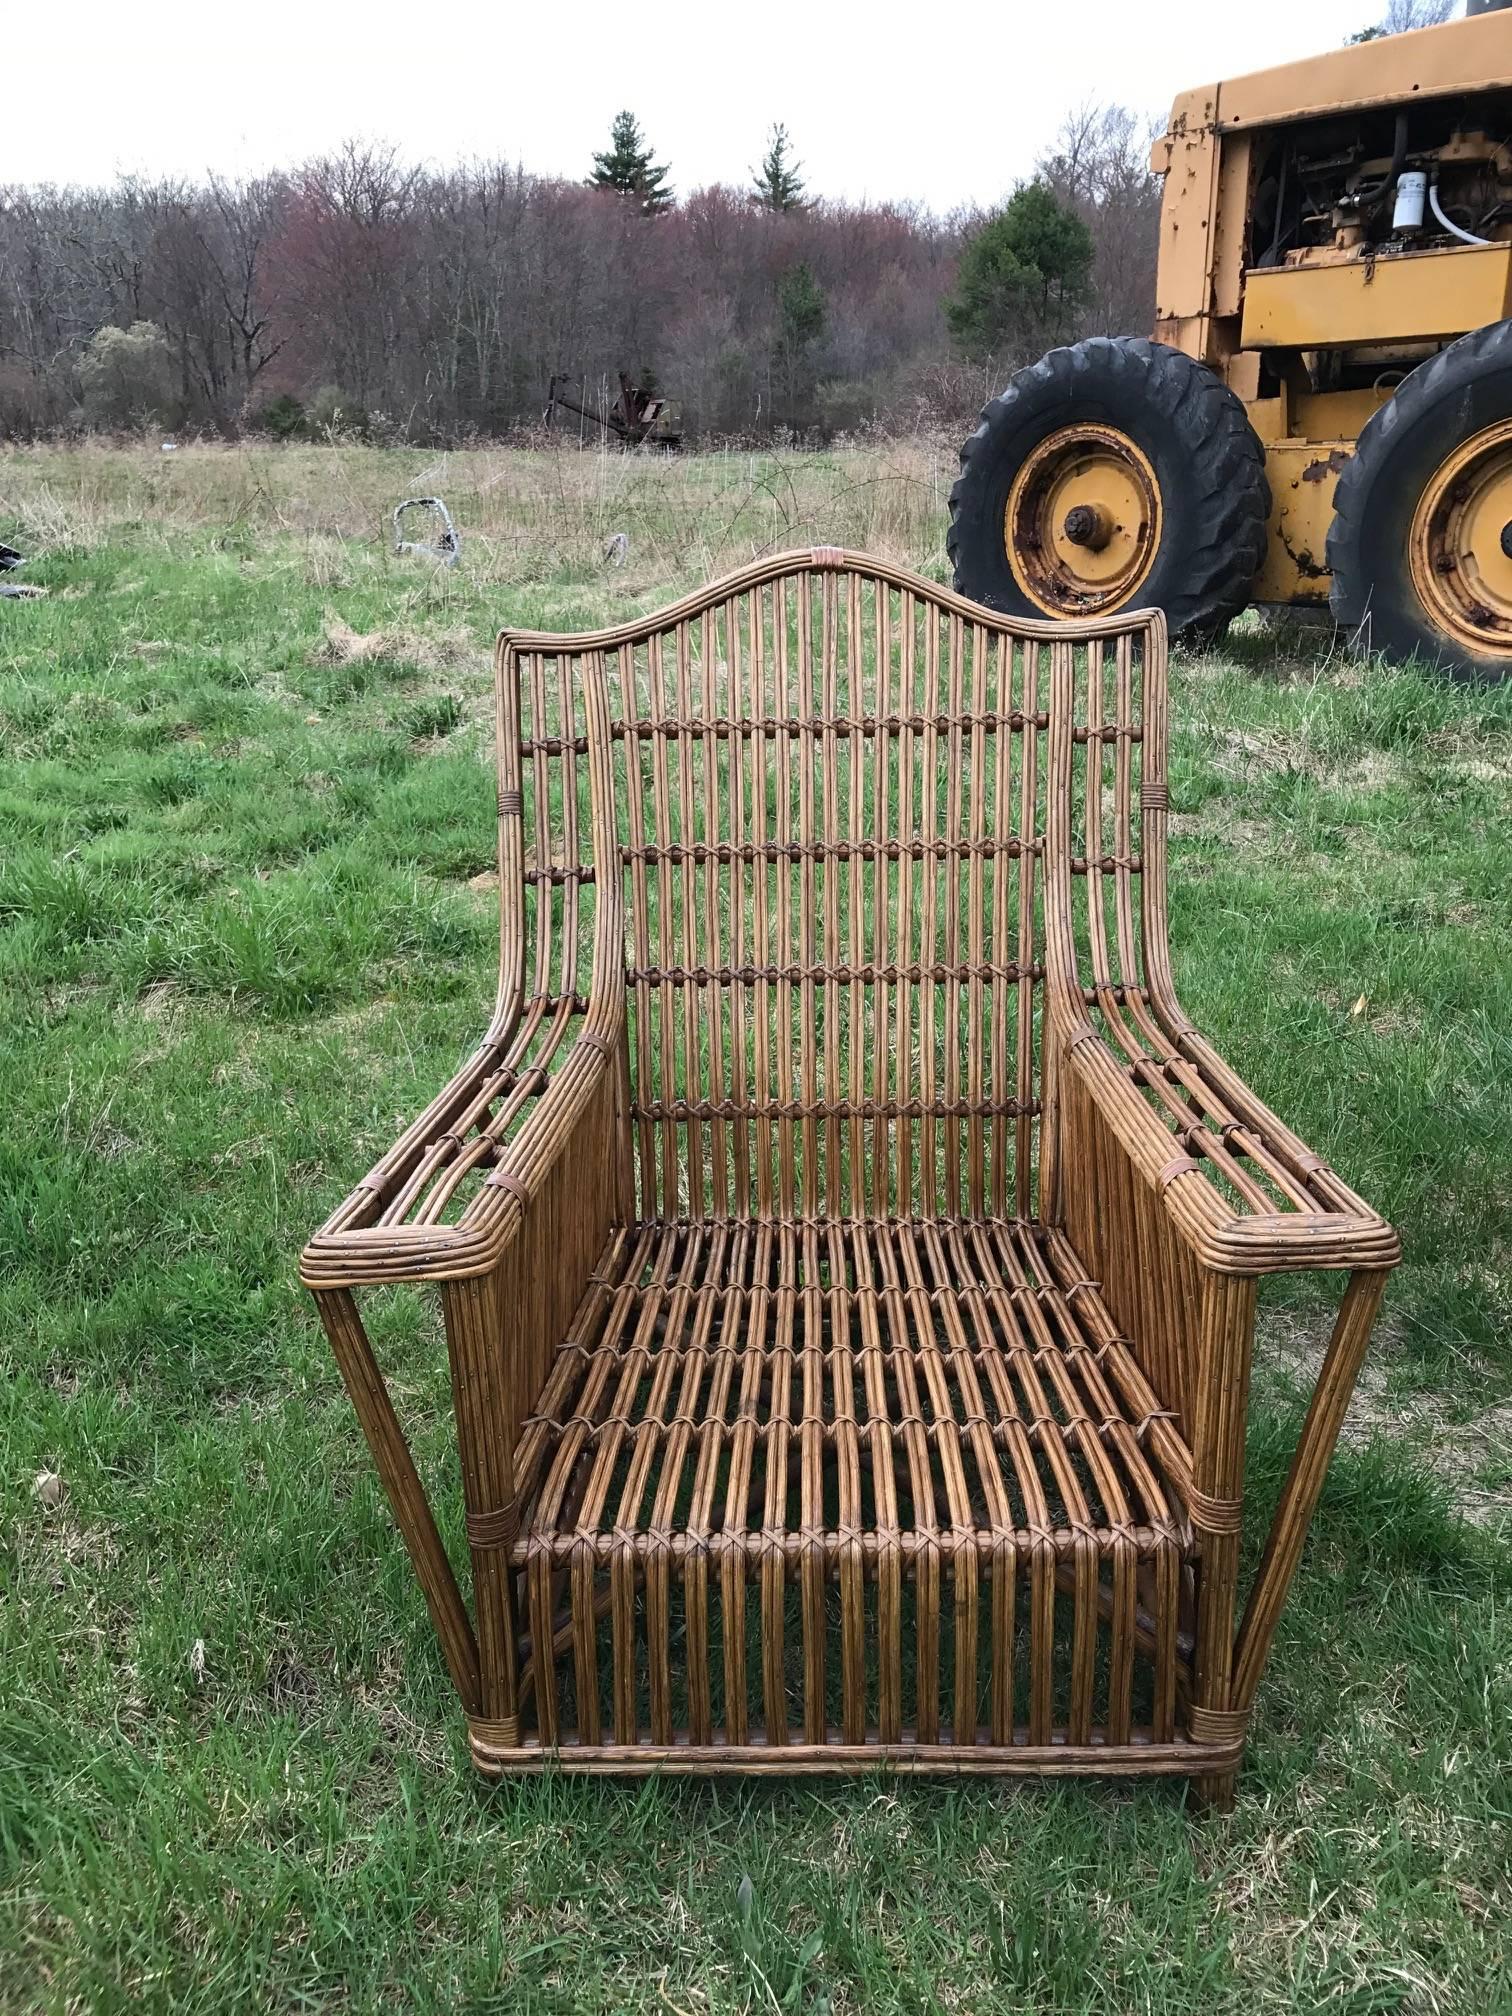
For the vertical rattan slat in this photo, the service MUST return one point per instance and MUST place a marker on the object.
(848, 1247)
(1028, 654)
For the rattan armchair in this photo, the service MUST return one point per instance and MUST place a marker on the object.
(848, 1248)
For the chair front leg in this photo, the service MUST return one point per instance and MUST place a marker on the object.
(403, 1488)
(1304, 1482)
(1216, 1503)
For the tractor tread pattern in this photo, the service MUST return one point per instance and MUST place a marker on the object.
(1222, 453)
(1431, 385)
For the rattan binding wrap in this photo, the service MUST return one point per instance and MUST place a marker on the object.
(848, 1247)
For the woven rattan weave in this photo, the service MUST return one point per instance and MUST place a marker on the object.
(848, 1248)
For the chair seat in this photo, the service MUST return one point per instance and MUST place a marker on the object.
(963, 1387)
(893, 1485)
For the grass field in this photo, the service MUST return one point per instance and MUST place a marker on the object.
(243, 794)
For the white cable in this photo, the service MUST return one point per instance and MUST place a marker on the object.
(1453, 229)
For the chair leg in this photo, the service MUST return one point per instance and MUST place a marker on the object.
(486, 1451)
(1304, 1483)
(1213, 1792)
(406, 1494)
(1216, 1505)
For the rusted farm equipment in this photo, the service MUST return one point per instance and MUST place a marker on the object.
(1325, 415)
(638, 417)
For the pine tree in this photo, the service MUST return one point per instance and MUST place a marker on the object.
(800, 309)
(779, 185)
(626, 167)
(1023, 278)
(801, 316)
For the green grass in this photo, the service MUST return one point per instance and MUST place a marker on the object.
(238, 946)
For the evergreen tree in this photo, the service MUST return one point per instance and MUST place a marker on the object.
(779, 185)
(1023, 279)
(626, 167)
(801, 316)
(800, 309)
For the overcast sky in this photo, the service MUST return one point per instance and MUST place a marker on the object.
(948, 104)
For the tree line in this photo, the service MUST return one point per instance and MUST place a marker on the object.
(361, 292)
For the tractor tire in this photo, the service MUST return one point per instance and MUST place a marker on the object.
(1125, 442)
(1420, 547)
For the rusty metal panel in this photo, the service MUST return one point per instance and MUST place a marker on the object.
(1415, 297)
(1231, 224)
(1188, 157)
(1302, 475)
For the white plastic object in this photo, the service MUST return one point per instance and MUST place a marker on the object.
(1453, 229)
(1411, 194)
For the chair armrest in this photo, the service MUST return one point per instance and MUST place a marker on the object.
(1243, 1192)
(1240, 1192)
(503, 1124)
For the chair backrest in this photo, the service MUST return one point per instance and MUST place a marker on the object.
(825, 795)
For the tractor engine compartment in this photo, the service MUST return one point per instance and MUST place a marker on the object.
(1372, 240)
(1434, 176)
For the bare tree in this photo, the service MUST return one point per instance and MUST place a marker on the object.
(244, 220)
(444, 300)
(1100, 164)
(1403, 15)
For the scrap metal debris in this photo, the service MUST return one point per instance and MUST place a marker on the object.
(16, 591)
(637, 415)
(443, 543)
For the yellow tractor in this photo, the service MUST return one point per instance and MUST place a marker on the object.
(1325, 414)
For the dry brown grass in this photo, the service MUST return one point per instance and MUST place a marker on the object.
(537, 515)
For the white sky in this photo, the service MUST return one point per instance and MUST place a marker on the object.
(944, 104)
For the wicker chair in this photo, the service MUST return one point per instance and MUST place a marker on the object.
(848, 1249)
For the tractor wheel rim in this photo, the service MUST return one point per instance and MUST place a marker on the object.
(1458, 546)
(1081, 527)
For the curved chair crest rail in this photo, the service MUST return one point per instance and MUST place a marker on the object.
(847, 1245)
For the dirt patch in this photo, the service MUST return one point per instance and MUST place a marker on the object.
(1485, 770)
(65, 995)
(1392, 1019)
(55, 1541)
(1371, 770)
(427, 650)
(1473, 752)
(1457, 1452)
(357, 1019)
(292, 1688)
(380, 1697)
(1243, 751)
(161, 1001)
(1216, 822)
